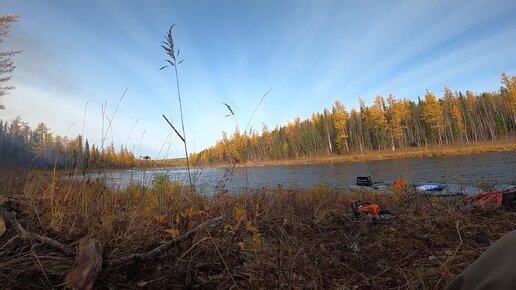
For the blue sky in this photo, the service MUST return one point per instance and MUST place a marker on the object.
(77, 55)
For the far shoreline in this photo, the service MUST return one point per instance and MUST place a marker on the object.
(386, 154)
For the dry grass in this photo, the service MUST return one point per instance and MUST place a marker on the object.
(281, 238)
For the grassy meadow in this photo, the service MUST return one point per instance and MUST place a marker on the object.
(280, 238)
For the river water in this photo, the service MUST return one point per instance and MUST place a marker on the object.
(499, 168)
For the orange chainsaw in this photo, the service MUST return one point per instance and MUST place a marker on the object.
(364, 208)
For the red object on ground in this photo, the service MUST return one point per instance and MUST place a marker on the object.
(372, 209)
(495, 197)
(400, 184)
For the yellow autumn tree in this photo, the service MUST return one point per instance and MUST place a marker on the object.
(267, 140)
(433, 115)
(509, 92)
(340, 120)
(375, 119)
(456, 114)
(399, 113)
(237, 147)
(293, 130)
(377, 113)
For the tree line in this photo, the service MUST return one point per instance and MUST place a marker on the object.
(22, 146)
(389, 123)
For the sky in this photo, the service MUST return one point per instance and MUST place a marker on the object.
(80, 56)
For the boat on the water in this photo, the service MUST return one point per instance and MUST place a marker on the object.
(447, 189)
(430, 187)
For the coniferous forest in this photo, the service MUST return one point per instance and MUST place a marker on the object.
(22, 146)
(456, 118)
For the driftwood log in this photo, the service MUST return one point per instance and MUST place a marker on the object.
(158, 251)
(86, 266)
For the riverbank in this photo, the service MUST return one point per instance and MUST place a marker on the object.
(261, 242)
(467, 149)
(422, 152)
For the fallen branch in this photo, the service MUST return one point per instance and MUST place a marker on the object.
(156, 252)
(44, 240)
(11, 221)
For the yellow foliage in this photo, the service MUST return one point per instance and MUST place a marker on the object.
(173, 232)
(250, 228)
(240, 214)
(433, 112)
(377, 113)
(316, 120)
(340, 117)
(160, 218)
(456, 113)
(399, 113)
(257, 239)
(191, 212)
(510, 90)
(257, 212)
(228, 228)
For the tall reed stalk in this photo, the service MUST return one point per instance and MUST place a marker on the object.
(168, 46)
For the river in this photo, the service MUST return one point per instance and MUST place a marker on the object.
(499, 168)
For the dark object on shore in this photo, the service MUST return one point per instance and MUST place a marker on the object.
(364, 181)
(509, 198)
(146, 157)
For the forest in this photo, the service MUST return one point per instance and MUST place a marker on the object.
(22, 146)
(389, 123)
